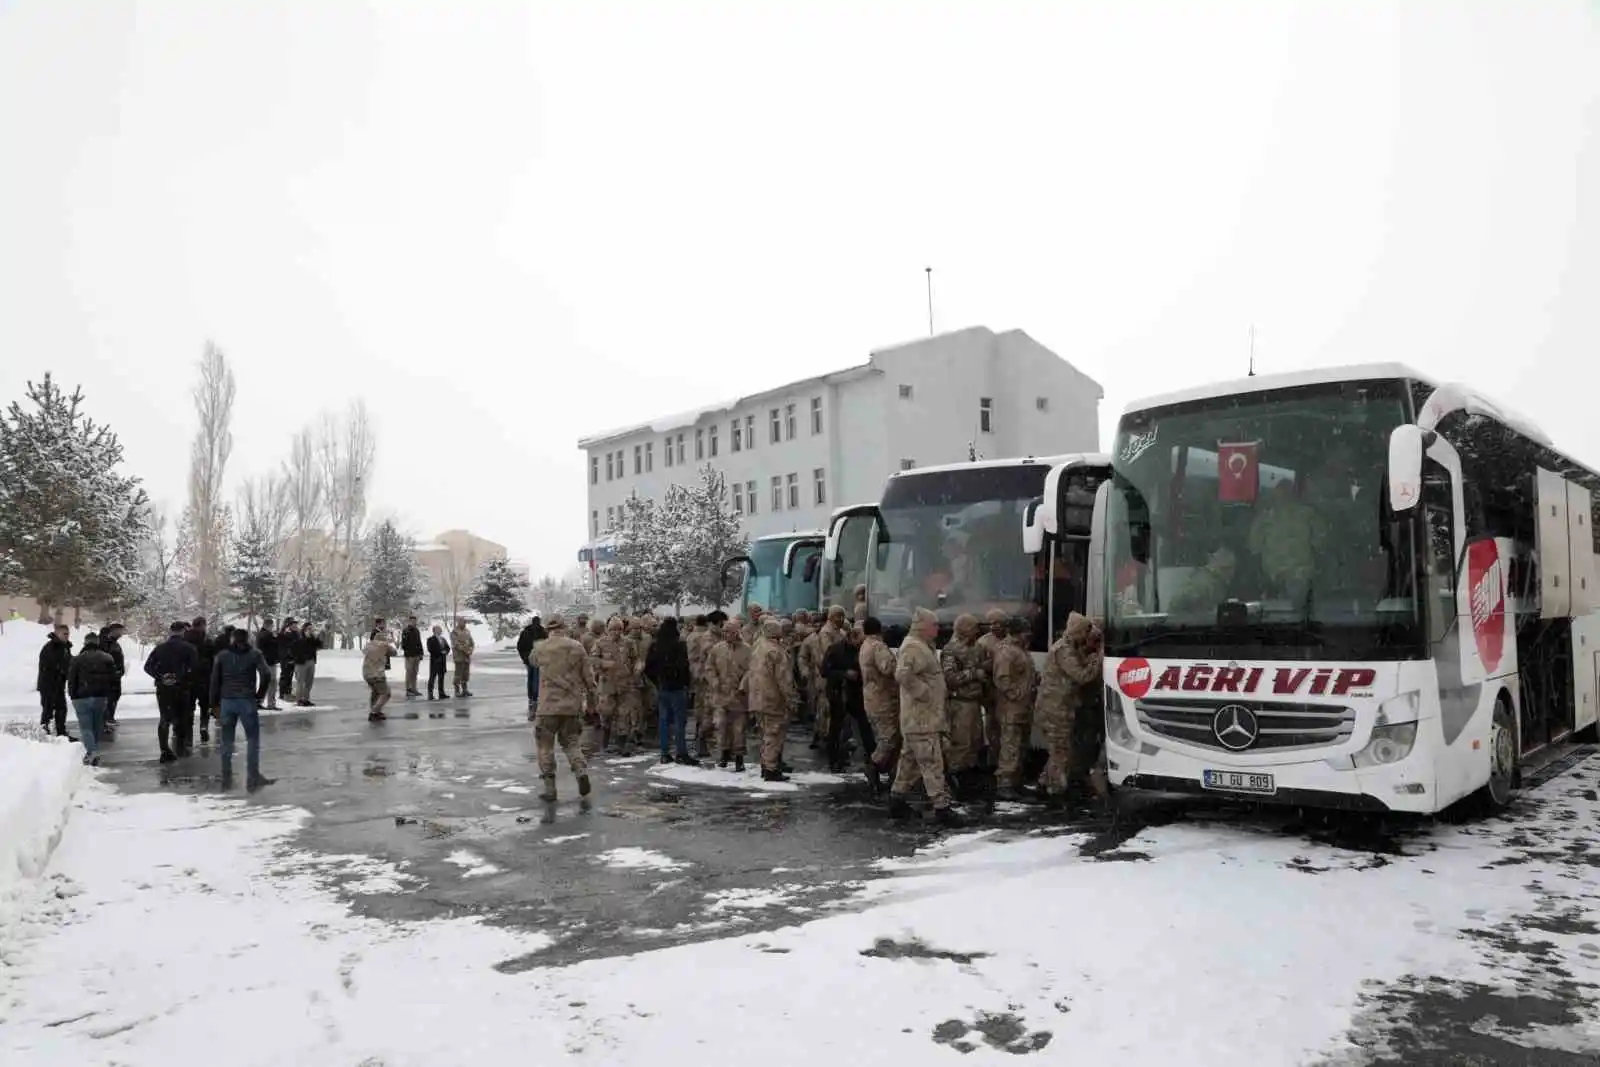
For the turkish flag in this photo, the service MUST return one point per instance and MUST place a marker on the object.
(1238, 475)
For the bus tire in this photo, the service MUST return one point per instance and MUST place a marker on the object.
(1503, 761)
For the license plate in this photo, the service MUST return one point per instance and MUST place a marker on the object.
(1239, 782)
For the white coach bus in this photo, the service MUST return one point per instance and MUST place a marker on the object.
(1349, 587)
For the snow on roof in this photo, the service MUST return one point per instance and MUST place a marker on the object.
(792, 535)
(1015, 461)
(935, 337)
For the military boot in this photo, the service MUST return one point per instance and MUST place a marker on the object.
(583, 785)
(874, 779)
(947, 817)
(773, 776)
(549, 794)
(898, 807)
(726, 756)
(738, 763)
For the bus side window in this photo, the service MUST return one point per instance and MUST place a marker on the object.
(1438, 514)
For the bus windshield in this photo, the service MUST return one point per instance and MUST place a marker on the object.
(1261, 519)
(951, 541)
(768, 587)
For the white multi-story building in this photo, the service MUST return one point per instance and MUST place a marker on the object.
(793, 454)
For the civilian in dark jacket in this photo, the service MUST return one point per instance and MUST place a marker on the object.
(110, 639)
(667, 665)
(841, 670)
(438, 660)
(527, 641)
(286, 639)
(91, 679)
(238, 671)
(411, 649)
(306, 646)
(174, 665)
(206, 653)
(54, 660)
(267, 645)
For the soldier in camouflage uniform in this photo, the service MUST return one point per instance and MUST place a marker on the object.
(813, 693)
(615, 670)
(565, 684)
(727, 664)
(963, 679)
(924, 721)
(1072, 678)
(1014, 681)
(750, 629)
(644, 636)
(995, 622)
(880, 695)
(834, 630)
(589, 633)
(770, 688)
(700, 643)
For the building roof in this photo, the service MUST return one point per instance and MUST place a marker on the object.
(1014, 461)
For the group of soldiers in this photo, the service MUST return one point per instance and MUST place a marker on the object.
(945, 717)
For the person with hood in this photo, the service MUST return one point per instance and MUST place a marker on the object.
(286, 640)
(236, 674)
(174, 666)
(1071, 679)
(438, 661)
(1013, 677)
(205, 654)
(964, 673)
(91, 678)
(527, 641)
(306, 647)
(613, 667)
(461, 647)
(411, 649)
(110, 638)
(667, 667)
(55, 658)
(267, 645)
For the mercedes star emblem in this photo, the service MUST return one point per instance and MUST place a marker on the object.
(1235, 726)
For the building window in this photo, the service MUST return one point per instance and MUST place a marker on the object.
(788, 422)
(793, 482)
(594, 520)
(713, 433)
(777, 493)
(819, 480)
(907, 464)
(699, 445)
(777, 426)
(986, 414)
(749, 431)
(649, 456)
(611, 519)
(750, 495)
(666, 449)
(594, 470)
(680, 450)
(816, 415)
(738, 498)
(737, 435)
(905, 392)
(1041, 403)
(638, 459)
(608, 466)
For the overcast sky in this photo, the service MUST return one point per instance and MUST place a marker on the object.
(508, 225)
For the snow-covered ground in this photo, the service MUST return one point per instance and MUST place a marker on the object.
(174, 930)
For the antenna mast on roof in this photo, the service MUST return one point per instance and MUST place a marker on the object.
(929, 272)
(1252, 350)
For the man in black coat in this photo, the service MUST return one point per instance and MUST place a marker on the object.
(267, 645)
(438, 660)
(411, 649)
(206, 654)
(286, 639)
(91, 678)
(174, 666)
(110, 637)
(841, 669)
(55, 658)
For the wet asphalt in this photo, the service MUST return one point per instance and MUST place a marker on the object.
(444, 787)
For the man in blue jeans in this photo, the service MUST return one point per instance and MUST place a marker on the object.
(91, 680)
(236, 676)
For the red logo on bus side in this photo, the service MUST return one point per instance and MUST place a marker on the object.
(1487, 600)
(1134, 677)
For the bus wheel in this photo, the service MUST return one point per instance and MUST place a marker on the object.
(1502, 758)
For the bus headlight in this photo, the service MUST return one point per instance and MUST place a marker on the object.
(1389, 744)
(1117, 731)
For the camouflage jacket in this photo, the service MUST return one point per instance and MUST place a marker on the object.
(565, 676)
(880, 693)
(726, 668)
(1071, 671)
(613, 663)
(770, 681)
(1014, 677)
(461, 644)
(963, 671)
(922, 693)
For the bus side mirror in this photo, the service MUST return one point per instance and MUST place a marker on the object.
(1033, 529)
(1405, 467)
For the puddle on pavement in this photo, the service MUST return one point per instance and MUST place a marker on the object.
(886, 948)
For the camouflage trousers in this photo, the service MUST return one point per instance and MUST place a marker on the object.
(730, 730)
(550, 731)
(923, 760)
(774, 725)
(993, 734)
(1012, 747)
(625, 723)
(886, 731)
(1058, 731)
(819, 706)
(705, 716)
(966, 735)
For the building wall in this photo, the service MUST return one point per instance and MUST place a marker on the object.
(868, 427)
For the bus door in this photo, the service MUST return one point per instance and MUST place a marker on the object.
(801, 562)
(845, 555)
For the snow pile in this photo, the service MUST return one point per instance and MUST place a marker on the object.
(709, 774)
(20, 644)
(37, 780)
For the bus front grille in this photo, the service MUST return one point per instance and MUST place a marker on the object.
(1261, 726)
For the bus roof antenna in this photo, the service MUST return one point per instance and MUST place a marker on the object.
(1252, 373)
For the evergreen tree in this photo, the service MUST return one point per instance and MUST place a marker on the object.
(637, 576)
(498, 596)
(252, 576)
(391, 588)
(712, 537)
(310, 597)
(71, 526)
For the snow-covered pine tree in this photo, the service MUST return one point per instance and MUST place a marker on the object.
(499, 595)
(633, 580)
(252, 575)
(70, 524)
(310, 597)
(714, 537)
(391, 588)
